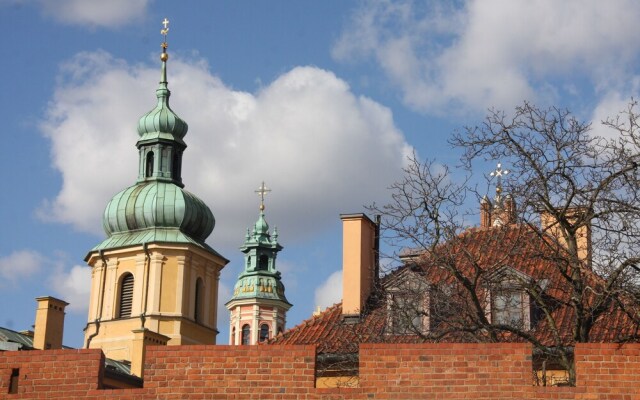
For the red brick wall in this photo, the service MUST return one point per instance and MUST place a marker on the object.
(447, 371)
(51, 373)
(434, 371)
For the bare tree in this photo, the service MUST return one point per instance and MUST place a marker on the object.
(559, 264)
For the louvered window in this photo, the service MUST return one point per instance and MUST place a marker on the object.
(126, 296)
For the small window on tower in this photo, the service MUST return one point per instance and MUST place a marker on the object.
(126, 296)
(233, 336)
(176, 166)
(264, 332)
(246, 334)
(198, 313)
(264, 263)
(149, 166)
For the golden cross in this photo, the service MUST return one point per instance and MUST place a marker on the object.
(499, 172)
(262, 190)
(164, 31)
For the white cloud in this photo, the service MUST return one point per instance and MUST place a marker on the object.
(322, 149)
(611, 105)
(20, 265)
(289, 274)
(330, 291)
(494, 52)
(111, 13)
(73, 286)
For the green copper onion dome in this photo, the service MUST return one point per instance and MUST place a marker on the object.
(158, 205)
(261, 229)
(157, 208)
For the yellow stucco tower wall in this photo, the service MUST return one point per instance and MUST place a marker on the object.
(165, 298)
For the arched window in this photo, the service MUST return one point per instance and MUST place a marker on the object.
(176, 166)
(198, 313)
(263, 263)
(126, 296)
(149, 166)
(264, 332)
(246, 334)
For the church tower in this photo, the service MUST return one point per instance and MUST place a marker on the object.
(154, 279)
(258, 306)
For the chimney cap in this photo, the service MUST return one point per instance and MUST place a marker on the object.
(52, 299)
(356, 216)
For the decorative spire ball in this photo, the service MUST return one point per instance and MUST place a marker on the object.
(262, 191)
(164, 56)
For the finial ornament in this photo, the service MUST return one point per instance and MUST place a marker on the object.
(499, 173)
(164, 45)
(262, 191)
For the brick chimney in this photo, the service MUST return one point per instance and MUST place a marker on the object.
(359, 262)
(550, 226)
(49, 326)
(485, 212)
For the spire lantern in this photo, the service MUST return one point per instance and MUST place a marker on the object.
(161, 132)
(157, 202)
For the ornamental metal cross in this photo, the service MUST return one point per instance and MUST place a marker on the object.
(164, 31)
(262, 191)
(499, 172)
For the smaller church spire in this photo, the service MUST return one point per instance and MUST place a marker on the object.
(259, 285)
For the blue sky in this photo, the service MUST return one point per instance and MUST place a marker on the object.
(322, 100)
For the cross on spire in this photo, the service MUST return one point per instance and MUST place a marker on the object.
(499, 173)
(262, 191)
(164, 31)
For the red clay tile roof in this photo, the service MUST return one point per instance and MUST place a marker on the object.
(333, 335)
(490, 249)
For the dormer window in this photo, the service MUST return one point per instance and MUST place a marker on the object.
(406, 312)
(509, 301)
(407, 304)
